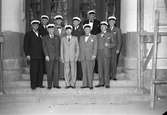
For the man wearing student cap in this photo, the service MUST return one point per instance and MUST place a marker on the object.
(115, 51)
(69, 56)
(60, 31)
(106, 43)
(94, 23)
(95, 28)
(78, 32)
(88, 50)
(34, 52)
(51, 46)
(59, 26)
(42, 27)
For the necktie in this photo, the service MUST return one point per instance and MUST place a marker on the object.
(68, 39)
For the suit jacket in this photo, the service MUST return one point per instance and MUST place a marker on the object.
(117, 37)
(89, 48)
(42, 31)
(96, 26)
(51, 47)
(102, 39)
(33, 45)
(69, 49)
(62, 34)
(78, 32)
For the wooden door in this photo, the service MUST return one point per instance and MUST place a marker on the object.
(71, 8)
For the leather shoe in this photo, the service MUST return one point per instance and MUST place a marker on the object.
(84, 87)
(67, 87)
(107, 86)
(41, 86)
(33, 88)
(73, 87)
(49, 88)
(58, 87)
(99, 85)
(91, 88)
(114, 79)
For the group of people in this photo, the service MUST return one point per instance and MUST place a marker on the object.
(71, 51)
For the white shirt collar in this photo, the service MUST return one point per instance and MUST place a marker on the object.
(87, 37)
(69, 36)
(76, 27)
(112, 27)
(36, 32)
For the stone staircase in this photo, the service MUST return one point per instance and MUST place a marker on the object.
(123, 90)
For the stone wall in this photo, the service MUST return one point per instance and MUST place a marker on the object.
(13, 55)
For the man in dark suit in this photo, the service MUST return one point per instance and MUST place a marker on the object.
(51, 46)
(60, 31)
(88, 50)
(78, 32)
(106, 43)
(115, 51)
(93, 22)
(95, 29)
(42, 27)
(34, 53)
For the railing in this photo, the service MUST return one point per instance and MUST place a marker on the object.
(1, 65)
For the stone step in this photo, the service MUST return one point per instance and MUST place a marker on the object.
(119, 76)
(68, 98)
(77, 91)
(27, 71)
(26, 84)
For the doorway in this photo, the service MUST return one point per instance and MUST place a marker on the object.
(71, 8)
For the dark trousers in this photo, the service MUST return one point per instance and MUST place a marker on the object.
(104, 64)
(96, 66)
(61, 69)
(107, 66)
(79, 71)
(36, 72)
(52, 72)
(113, 64)
(87, 69)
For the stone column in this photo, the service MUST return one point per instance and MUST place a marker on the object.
(13, 28)
(129, 29)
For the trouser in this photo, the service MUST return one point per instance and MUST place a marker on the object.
(107, 66)
(70, 73)
(61, 69)
(113, 64)
(79, 71)
(36, 72)
(104, 64)
(87, 69)
(96, 66)
(100, 59)
(53, 72)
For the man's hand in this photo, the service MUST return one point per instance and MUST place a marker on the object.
(62, 60)
(93, 57)
(47, 58)
(76, 58)
(28, 57)
(117, 51)
(106, 44)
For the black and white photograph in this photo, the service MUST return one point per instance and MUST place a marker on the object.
(83, 57)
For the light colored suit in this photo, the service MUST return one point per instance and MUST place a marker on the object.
(69, 56)
(88, 50)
